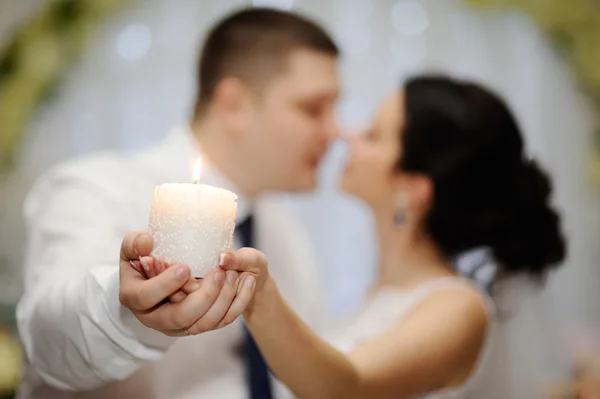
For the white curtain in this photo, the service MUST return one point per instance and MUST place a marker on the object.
(138, 79)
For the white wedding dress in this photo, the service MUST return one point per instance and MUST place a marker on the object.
(388, 306)
(513, 363)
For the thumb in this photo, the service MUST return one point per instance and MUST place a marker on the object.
(244, 260)
(136, 244)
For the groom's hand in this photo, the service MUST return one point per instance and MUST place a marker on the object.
(152, 267)
(212, 304)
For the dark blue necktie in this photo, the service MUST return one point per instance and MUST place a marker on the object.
(257, 372)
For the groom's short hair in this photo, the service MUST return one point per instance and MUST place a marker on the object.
(253, 45)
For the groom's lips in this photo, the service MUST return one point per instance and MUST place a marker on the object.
(314, 161)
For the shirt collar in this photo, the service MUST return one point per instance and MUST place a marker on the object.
(182, 150)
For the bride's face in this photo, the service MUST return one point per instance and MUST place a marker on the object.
(370, 170)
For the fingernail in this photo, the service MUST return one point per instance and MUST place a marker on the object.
(250, 280)
(144, 262)
(181, 272)
(232, 276)
(219, 276)
(222, 260)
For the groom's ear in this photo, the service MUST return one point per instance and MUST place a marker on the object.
(232, 101)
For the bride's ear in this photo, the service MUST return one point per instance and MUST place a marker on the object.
(417, 191)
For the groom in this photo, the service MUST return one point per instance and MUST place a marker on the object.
(264, 117)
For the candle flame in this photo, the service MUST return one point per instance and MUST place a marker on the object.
(197, 169)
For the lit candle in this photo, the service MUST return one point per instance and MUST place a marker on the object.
(192, 223)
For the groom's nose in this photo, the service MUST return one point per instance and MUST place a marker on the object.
(331, 130)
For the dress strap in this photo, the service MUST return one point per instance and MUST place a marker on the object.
(454, 283)
(461, 283)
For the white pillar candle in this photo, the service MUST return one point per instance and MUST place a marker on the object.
(192, 223)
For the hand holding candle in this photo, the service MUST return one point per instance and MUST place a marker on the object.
(215, 301)
(192, 224)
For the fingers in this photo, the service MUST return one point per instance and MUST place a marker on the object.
(137, 265)
(136, 244)
(176, 316)
(217, 311)
(244, 260)
(177, 297)
(242, 300)
(145, 294)
(160, 265)
(155, 266)
(192, 285)
(152, 267)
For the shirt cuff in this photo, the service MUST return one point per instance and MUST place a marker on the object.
(126, 321)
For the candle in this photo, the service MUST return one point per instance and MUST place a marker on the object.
(192, 223)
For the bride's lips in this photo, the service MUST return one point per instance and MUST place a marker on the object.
(347, 166)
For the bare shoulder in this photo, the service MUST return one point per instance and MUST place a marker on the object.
(458, 303)
(435, 346)
(455, 320)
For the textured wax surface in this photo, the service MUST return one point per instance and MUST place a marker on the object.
(192, 224)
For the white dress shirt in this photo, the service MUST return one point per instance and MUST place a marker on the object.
(79, 341)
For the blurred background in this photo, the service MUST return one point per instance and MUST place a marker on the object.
(78, 76)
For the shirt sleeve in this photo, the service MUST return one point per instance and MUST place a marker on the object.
(75, 333)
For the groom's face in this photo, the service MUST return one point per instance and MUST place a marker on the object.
(293, 122)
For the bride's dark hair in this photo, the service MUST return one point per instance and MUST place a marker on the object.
(486, 191)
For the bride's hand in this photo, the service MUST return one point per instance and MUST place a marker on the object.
(250, 263)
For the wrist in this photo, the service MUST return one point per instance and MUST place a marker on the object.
(264, 297)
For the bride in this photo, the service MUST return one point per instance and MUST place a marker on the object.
(444, 171)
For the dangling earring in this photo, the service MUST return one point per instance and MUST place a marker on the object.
(400, 209)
